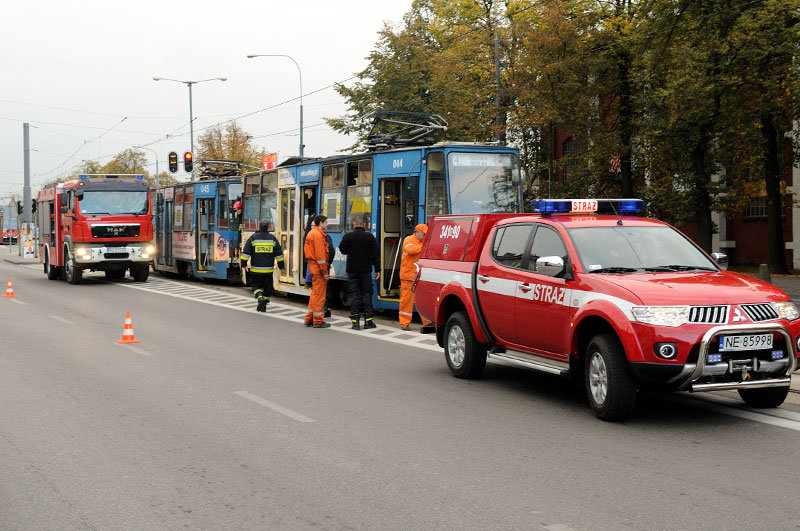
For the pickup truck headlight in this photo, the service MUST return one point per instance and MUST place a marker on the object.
(661, 315)
(149, 249)
(786, 310)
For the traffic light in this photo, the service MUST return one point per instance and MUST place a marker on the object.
(33, 206)
(19, 207)
(187, 162)
(173, 162)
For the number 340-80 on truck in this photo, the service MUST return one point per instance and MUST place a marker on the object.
(96, 223)
(613, 301)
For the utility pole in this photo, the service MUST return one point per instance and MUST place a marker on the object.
(500, 120)
(26, 189)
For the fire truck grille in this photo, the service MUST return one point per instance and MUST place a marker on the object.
(708, 314)
(115, 255)
(115, 231)
(759, 312)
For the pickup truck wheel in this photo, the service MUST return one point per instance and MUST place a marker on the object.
(609, 386)
(465, 356)
(74, 274)
(764, 397)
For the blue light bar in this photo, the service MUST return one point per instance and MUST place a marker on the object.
(777, 354)
(714, 358)
(630, 206)
(83, 176)
(555, 206)
(140, 177)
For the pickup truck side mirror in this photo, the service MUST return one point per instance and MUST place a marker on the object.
(721, 259)
(552, 266)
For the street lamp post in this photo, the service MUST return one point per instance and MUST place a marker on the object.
(300, 73)
(191, 116)
(156, 154)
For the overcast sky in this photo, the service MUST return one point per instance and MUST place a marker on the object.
(81, 73)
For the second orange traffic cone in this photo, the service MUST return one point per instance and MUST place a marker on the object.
(9, 289)
(127, 331)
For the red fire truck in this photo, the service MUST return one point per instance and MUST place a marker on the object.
(615, 302)
(97, 223)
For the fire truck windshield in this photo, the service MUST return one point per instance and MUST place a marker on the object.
(113, 202)
(484, 183)
(627, 249)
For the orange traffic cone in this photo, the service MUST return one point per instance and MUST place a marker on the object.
(127, 330)
(9, 289)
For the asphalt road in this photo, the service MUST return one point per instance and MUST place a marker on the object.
(223, 418)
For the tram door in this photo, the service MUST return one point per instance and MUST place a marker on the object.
(205, 234)
(309, 195)
(285, 232)
(397, 220)
(167, 220)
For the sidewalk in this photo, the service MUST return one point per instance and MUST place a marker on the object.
(11, 254)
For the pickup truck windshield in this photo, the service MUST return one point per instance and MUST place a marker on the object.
(484, 183)
(637, 249)
(113, 202)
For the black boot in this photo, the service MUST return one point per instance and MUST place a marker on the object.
(262, 304)
(368, 323)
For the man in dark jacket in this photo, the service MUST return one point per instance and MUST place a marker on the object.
(263, 251)
(361, 249)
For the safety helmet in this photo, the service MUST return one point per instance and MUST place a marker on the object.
(422, 227)
(237, 205)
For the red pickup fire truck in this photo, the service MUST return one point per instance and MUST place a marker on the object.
(581, 288)
(101, 223)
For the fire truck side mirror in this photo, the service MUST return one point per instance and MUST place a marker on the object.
(63, 210)
(64, 200)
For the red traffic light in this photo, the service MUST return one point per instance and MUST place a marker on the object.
(187, 162)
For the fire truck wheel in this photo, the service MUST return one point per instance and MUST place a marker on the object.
(74, 274)
(764, 397)
(52, 272)
(465, 356)
(609, 386)
(140, 272)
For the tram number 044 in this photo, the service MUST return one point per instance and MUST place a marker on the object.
(397, 163)
(450, 231)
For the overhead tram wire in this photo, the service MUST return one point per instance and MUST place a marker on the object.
(82, 146)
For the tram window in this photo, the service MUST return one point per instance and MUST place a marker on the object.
(177, 221)
(222, 215)
(359, 192)
(188, 208)
(436, 187)
(252, 189)
(332, 189)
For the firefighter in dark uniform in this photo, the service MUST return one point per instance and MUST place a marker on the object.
(263, 251)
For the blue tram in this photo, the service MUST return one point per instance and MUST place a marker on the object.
(394, 190)
(197, 229)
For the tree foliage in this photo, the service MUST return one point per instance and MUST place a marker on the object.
(230, 142)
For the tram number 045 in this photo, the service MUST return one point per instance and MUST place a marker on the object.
(450, 231)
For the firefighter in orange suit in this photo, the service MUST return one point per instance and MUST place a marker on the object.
(316, 251)
(412, 246)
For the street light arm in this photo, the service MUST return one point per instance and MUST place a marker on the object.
(300, 73)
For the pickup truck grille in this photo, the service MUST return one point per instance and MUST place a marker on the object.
(708, 314)
(115, 231)
(759, 312)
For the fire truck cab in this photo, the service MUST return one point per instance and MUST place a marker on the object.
(102, 223)
(582, 288)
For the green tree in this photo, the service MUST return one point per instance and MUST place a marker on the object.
(230, 142)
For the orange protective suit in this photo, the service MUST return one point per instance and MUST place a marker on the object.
(408, 270)
(316, 251)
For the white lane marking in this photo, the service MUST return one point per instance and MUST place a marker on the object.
(274, 407)
(58, 318)
(558, 527)
(733, 407)
(135, 349)
(235, 301)
(17, 301)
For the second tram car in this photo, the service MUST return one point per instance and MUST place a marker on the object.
(393, 190)
(197, 228)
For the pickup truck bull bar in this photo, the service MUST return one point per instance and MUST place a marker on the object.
(701, 369)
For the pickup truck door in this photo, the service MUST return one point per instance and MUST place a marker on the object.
(542, 302)
(499, 274)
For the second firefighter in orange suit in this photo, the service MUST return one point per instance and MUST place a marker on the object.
(412, 246)
(316, 251)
